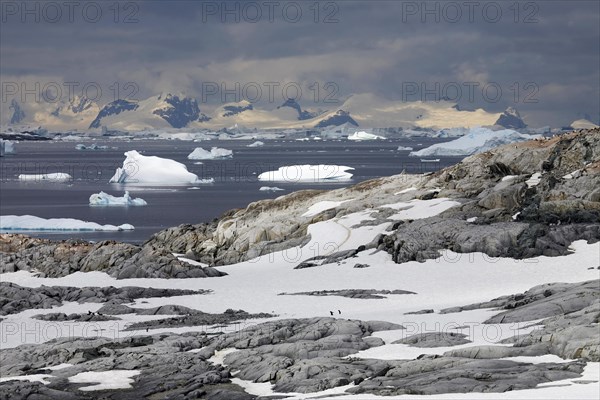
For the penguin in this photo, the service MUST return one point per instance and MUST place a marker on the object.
(339, 312)
(331, 312)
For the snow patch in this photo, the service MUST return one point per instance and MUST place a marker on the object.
(322, 206)
(105, 380)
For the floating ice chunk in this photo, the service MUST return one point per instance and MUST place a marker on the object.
(534, 180)
(93, 146)
(104, 199)
(55, 177)
(105, 380)
(362, 135)
(270, 189)
(215, 153)
(6, 147)
(404, 148)
(141, 169)
(31, 223)
(477, 140)
(308, 173)
(256, 144)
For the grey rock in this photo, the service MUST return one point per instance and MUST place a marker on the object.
(434, 339)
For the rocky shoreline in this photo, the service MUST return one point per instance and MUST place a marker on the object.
(520, 201)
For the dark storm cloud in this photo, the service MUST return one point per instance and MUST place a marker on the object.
(376, 46)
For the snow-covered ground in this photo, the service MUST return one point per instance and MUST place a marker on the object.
(451, 280)
(308, 173)
(140, 169)
(104, 199)
(477, 140)
(32, 223)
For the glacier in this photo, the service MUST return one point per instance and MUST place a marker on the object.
(308, 173)
(478, 140)
(104, 199)
(141, 169)
(214, 154)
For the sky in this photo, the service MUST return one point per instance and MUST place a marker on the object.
(540, 57)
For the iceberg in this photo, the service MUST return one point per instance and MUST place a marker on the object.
(308, 173)
(141, 169)
(215, 153)
(6, 147)
(362, 135)
(256, 144)
(404, 148)
(270, 189)
(104, 199)
(32, 223)
(55, 177)
(478, 140)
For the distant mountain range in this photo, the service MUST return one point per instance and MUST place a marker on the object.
(168, 111)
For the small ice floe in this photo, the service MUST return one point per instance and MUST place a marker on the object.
(270, 189)
(104, 199)
(215, 153)
(256, 144)
(54, 177)
(362, 135)
(308, 173)
(32, 223)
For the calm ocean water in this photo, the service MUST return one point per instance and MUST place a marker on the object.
(235, 185)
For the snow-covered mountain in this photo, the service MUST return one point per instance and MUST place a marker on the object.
(168, 111)
(162, 111)
(511, 119)
(74, 114)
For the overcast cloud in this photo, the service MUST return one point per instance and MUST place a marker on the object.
(549, 50)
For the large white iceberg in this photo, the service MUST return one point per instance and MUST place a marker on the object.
(308, 173)
(55, 177)
(362, 135)
(152, 170)
(31, 223)
(215, 153)
(6, 147)
(476, 141)
(105, 199)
